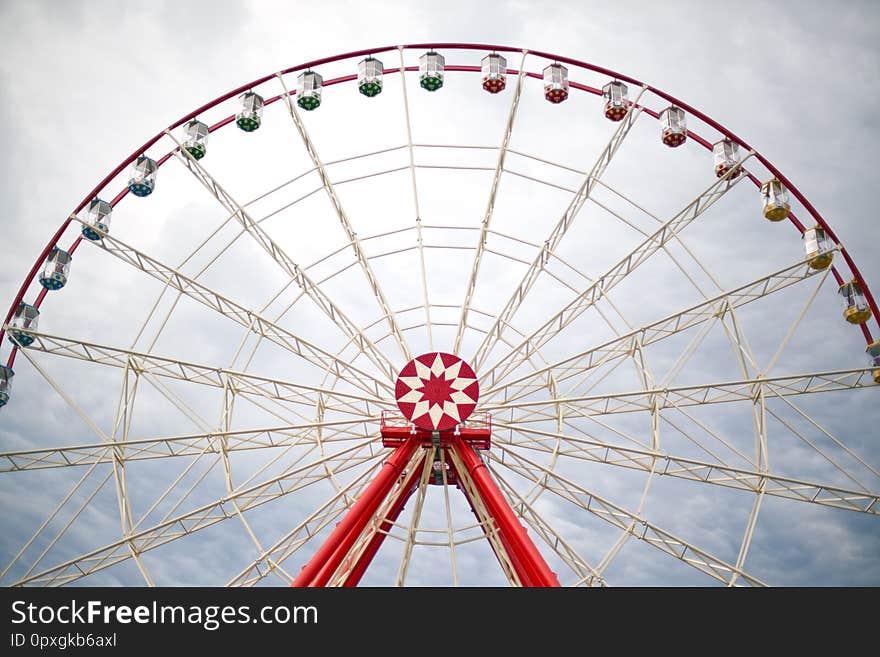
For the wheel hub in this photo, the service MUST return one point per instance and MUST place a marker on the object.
(437, 391)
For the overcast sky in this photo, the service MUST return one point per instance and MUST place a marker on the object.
(84, 83)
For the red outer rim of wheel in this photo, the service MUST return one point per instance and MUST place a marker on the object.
(856, 274)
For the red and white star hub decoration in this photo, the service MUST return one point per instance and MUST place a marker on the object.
(437, 391)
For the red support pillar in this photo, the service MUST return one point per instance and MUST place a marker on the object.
(528, 563)
(406, 491)
(516, 540)
(514, 562)
(326, 560)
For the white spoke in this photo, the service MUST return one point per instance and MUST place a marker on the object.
(73, 518)
(118, 471)
(381, 517)
(51, 517)
(550, 245)
(702, 445)
(812, 445)
(487, 522)
(205, 516)
(353, 239)
(286, 263)
(247, 318)
(270, 561)
(410, 540)
(415, 189)
(650, 333)
(630, 522)
(711, 393)
(588, 298)
(714, 473)
(831, 437)
(747, 536)
(450, 532)
(796, 323)
(217, 377)
(490, 206)
(184, 445)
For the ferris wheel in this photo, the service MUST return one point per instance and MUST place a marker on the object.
(376, 319)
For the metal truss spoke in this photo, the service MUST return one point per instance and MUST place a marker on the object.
(490, 206)
(593, 293)
(831, 437)
(182, 446)
(670, 325)
(714, 473)
(286, 263)
(353, 239)
(410, 540)
(712, 393)
(186, 524)
(568, 425)
(117, 470)
(450, 531)
(747, 536)
(415, 190)
(242, 383)
(702, 445)
(249, 319)
(552, 242)
(678, 239)
(812, 445)
(51, 517)
(791, 330)
(627, 521)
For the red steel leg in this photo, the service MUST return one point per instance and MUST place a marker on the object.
(406, 491)
(514, 562)
(528, 563)
(537, 571)
(328, 557)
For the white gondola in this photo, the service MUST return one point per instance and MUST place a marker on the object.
(6, 375)
(726, 154)
(308, 95)
(819, 247)
(673, 126)
(431, 70)
(556, 83)
(774, 197)
(370, 71)
(196, 142)
(617, 102)
(56, 269)
(251, 115)
(142, 180)
(855, 306)
(25, 318)
(494, 70)
(98, 219)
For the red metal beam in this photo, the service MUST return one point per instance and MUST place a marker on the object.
(514, 562)
(328, 557)
(366, 557)
(516, 539)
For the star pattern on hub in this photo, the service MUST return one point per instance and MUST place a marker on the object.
(436, 391)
